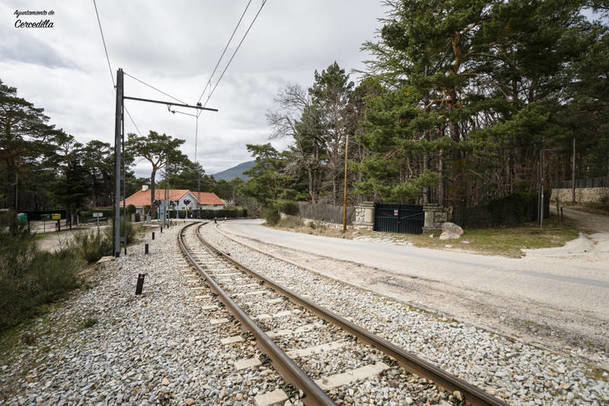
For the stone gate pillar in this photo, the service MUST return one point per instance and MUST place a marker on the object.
(364, 216)
(435, 215)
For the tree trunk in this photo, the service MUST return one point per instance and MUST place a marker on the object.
(11, 177)
(310, 175)
(441, 174)
(152, 191)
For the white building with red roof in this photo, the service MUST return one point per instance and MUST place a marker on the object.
(176, 199)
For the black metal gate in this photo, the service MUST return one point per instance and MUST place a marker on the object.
(399, 218)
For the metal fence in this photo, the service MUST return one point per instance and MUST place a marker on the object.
(583, 183)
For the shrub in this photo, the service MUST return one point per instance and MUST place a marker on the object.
(288, 207)
(210, 214)
(30, 278)
(271, 215)
(514, 209)
(131, 209)
(92, 245)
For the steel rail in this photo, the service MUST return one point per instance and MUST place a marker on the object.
(314, 395)
(471, 394)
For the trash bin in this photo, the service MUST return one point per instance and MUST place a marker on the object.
(21, 218)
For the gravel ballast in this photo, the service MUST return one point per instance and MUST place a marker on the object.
(517, 372)
(157, 348)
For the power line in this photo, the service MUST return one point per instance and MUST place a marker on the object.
(101, 31)
(235, 52)
(224, 51)
(152, 87)
(133, 122)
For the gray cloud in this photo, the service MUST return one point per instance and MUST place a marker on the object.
(174, 46)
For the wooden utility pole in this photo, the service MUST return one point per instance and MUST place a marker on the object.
(345, 184)
(573, 174)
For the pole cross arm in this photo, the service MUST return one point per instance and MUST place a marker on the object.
(168, 103)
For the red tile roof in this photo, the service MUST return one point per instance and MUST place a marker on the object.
(209, 198)
(142, 197)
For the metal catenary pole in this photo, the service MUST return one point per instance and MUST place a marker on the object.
(117, 162)
(124, 180)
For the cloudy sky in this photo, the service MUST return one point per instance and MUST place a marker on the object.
(174, 46)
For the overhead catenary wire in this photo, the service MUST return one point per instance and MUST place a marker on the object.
(101, 31)
(234, 53)
(224, 52)
(154, 88)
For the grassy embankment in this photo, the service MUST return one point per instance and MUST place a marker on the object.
(33, 282)
(506, 241)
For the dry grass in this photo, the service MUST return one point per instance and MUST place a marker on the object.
(506, 241)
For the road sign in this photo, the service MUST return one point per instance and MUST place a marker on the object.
(56, 216)
(98, 214)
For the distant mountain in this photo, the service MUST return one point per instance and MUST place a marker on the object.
(235, 171)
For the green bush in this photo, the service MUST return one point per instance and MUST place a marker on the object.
(92, 245)
(30, 278)
(511, 210)
(271, 215)
(288, 207)
(131, 209)
(210, 214)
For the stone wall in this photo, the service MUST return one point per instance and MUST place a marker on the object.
(588, 194)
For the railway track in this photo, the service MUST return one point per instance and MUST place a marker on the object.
(264, 309)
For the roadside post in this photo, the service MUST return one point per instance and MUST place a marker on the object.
(97, 215)
(140, 283)
(45, 218)
(57, 216)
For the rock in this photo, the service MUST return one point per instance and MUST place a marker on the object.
(452, 228)
(447, 235)
(105, 259)
(165, 381)
(189, 402)
(458, 395)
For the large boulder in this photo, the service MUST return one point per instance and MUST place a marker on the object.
(448, 235)
(452, 228)
(451, 231)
